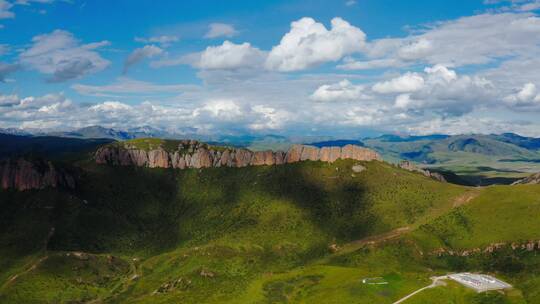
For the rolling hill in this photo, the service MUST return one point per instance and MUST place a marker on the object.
(293, 233)
(479, 159)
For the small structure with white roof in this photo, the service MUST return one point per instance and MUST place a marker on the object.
(479, 282)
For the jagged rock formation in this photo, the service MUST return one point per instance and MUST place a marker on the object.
(409, 166)
(531, 245)
(193, 154)
(21, 174)
(529, 180)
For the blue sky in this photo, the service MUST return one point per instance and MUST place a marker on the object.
(343, 68)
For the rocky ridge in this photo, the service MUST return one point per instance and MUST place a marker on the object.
(529, 180)
(409, 166)
(194, 154)
(531, 245)
(21, 174)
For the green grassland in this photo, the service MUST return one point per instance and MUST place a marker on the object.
(253, 235)
(477, 159)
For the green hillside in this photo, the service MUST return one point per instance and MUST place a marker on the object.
(477, 159)
(295, 233)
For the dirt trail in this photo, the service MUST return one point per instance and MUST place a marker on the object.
(462, 199)
(29, 269)
(34, 265)
(377, 239)
(466, 197)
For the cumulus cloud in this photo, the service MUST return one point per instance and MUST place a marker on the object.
(163, 40)
(138, 55)
(229, 56)
(60, 55)
(341, 91)
(110, 106)
(269, 118)
(310, 43)
(502, 35)
(409, 82)
(442, 91)
(216, 30)
(526, 98)
(223, 109)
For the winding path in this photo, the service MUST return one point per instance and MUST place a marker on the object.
(436, 282)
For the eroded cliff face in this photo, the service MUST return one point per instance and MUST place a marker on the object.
(407, 165)
(529, 180)
(21, 174)
(193, 154)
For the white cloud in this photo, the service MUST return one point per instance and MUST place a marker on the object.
(350, 2)
(416, 49)
(526, 98)
(125, 85)
(163, 40)
(473, 124)
(309, 43)
(443, 92)
(227, 56)
(216, 30)
(110, 106)
(6, 6)
(269, 118)
(408, 82)
(28, 2)
(341, 91)
(9, 100)
(478, 39)
(60, 55)
(32, 102)
(230, 56)
(5, 12)
(440, 72)
(370, 64)
(404, 101)
(138, 55)
(222, 109)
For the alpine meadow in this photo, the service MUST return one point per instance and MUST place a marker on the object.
(265, 152)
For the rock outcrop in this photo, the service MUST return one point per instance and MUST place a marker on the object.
(529, 180)
(193, 154)
(531, 245)
(21, 174)
(409, 166)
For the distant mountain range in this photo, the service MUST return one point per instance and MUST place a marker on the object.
(482, 159)
(495, 157)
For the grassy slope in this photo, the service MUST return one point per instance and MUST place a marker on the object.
(262, 233)
(499, 214)
(478, 168)
(243, 225)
